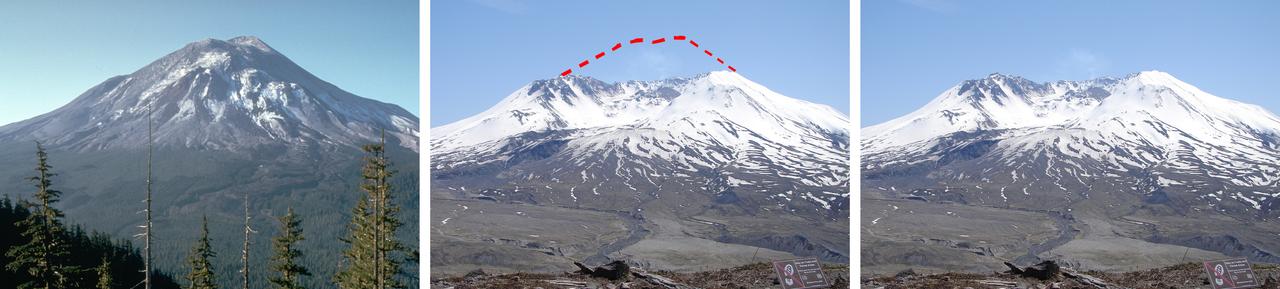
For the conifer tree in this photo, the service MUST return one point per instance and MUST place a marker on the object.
(244, 256)
(201, 275)
(286, 253)
(146, 234)
(46, 257)
(375, 256)
(104, 274)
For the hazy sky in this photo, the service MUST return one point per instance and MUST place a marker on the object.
(483, 50)
(51, 51)
(913, 50)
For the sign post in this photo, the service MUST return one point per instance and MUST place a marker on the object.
(803, 273)
(1231, 274)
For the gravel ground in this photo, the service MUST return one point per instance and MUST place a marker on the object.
(1184, 276)
(754, 276)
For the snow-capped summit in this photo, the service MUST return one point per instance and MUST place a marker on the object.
(581, 102)
(216, 94)
(252, 41)
(716, 133)
(1009, 102)
(1146, 133)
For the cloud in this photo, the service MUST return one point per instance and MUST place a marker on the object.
(1080, 62)
(508, 6)
(938, 6)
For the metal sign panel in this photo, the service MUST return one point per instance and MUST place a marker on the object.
(1230, 274)
(803, 273)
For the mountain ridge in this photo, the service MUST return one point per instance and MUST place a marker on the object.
(679, 124)
(1152, 111)
(1059, 103)
(625, 103)
(265, 95)
(681, 174)
(1132, 171)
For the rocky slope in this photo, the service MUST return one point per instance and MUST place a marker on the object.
(1138, 170)
(577, 140)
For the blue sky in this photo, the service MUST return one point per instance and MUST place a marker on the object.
(51, 51)
(912, 50)
(483, 50)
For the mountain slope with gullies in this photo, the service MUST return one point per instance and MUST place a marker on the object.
(717, 156)
(231, 118)
(1141, 161)
(215, 94)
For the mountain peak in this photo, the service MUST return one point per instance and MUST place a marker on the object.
(577, 85)
(996, 79)
(998, 75)
(219, 94)
(726, 77)
(237, 47)
(1152, 73)
(251, 41)
(1156, 77)
(1002, 77)
(710, 75)
(1151, 77)
(989, 104)
(582, 102)
(240, 43)
(656, 130)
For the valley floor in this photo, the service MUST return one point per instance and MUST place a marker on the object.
(469, 234)
(1095, 234)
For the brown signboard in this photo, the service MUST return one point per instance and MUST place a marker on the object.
(803, 273)
(1231, 274)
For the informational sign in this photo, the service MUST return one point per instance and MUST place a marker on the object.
(1230, 274)
(803, 273)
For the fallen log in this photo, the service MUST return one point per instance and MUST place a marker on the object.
(1087, 280)
(659, 280)
(1044, 270)
(569, 283)
(998, 283)
(615, 270)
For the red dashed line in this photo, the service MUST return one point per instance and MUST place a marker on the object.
(640, 40)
